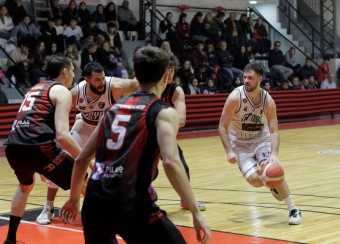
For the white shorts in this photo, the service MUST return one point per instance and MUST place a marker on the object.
(251, 154)
(81, 132)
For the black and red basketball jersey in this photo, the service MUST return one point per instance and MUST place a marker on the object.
(168, 92)
(34, 123)
(127, 153)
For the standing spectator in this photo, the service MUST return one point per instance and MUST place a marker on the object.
(128, 22)
(73, 34)
(262, 36)
(103, 57)
(8, 31)
(197, 27)
(166, 29)
(68, 13)
(110, 12)
(211, 29)
(15, 10)
(308, 70)
(241, 58)
(247, 31)
(57, 10)
(89, 54)
(83, 14)
(225, 36)
(48, 33)
(28, 30)
(290, 61)
(329, 83)
(323, 70)
(276, 62)
(37, 68)
(234, 29)
(99, 17)
(183, 27)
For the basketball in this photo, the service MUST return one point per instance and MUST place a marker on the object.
(271, 174)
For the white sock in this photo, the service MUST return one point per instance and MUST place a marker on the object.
(290, 203)
(49, 203)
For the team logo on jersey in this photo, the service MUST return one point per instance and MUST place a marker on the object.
(101, 104)
(91, 106)
(113, 172)
(99, 170)
(23, 123)
(81, 100)
(244, 100)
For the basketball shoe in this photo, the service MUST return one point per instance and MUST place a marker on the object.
(46, 215)
(295, 217)
(153, 193)
(200, 206)
(276, 194)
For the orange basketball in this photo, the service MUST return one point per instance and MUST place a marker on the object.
(271, 174)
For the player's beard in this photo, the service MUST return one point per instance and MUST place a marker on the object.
(252, 88)
(95, 90)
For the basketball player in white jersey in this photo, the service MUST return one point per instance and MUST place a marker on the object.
(91, 96)
(249, 132)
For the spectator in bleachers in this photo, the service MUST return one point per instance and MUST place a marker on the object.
(211, 29)
(89, 54)
(249, 52)
(92, 30)
(182, 26)
(99, 17)
(15, 10)
(73, 53)
(115, 60)
(308, 70)
(197, 27)
(193, 88)
(323, 70)
(247, 31)
(60, 35)
(185, 72)
(49, 35)
(3, 97)
(262, 36)
(37, 68)
(177, 80)
(276, 62)
(266, 85)
(198, 55)
(210, 87)
(53, 49)
(313, 84)
(211, 53)
(305, 84)
(329, 83)
(225, 59)
(73, 34)
(295, 83)
(225, 36)
(29, 30)
(290, 61)
(83, 14)
(284, 86)
(68, 13)
(202, 75)
(234, 29)
(235, 83)
(241, 59)
(127, 20)
(110, 12)
(103, 57)
(166, 29)
(330, 50)
(57, 10)
(115, 42)
(166, 47)
(8, 31)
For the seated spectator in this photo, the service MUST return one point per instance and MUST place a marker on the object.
(329, 83)
(290, 61)
(19, 68)
(83, 14)
(193, 88)
(266, 85)
(110, 13)
(247, 31)
(166, 30)
(115, 60)
(73, 34)
(92, 30)
(48, 33)
(53, 49)
(202, 75)
(261, 35)
(37, 68)
(128, 22)
(211, 29)
(308, 70)
(249, 52)
(99, 17)
(284, 86)
(323, 70)
(183, 27)
(234, 29)
(295, 83)
(305, 84)
(210, 87)
(73, 53)
(103, 57)
(241, 59)
(69, 13)
(276, 61)
(166, 47)
(8, 31)
(177, 80)
(3, 97)
(225, 35)
(211, 53)
(199, 56)
(313, 84)
(113, 37)
(197, 28)
(15, 10)
(29, 30)
(57, 10)
(89, 54)
(185, 73)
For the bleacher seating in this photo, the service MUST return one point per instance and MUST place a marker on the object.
(204, 111)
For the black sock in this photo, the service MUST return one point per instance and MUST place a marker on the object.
(14, 222)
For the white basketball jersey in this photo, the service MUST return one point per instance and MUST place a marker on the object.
(92, 111)
(249, 123)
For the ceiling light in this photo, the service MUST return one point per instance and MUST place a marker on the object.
(253, 2)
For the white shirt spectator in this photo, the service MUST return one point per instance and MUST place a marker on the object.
(69, 31)
(329, 84)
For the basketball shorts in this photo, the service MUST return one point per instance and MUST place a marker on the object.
(48, 160)
(81, 132)
(251, 154)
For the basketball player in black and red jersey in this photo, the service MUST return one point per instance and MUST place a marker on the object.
(127, 144)
(42, 117)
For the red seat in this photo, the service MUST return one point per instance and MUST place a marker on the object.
(219, 8)
(183, 7)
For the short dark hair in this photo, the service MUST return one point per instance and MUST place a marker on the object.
(220, 14)
(326, 58)
(168, 13)
(92, 66)
(55, 64)
(173, 61)
(149, 59)
(258, 68)
(308, 59)
(111, 25)
(91, 20)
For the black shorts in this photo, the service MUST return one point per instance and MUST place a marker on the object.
(48, 160)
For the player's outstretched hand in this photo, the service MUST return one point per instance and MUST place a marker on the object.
(232, 157)
(201, 225)
(68, 213)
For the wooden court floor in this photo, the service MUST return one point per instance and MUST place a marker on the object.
(236, 212)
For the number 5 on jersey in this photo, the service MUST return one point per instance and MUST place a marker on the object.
(118, 129)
